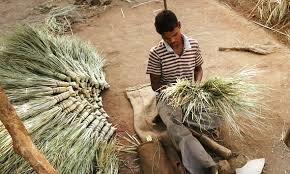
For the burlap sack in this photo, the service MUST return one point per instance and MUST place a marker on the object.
(143, 101)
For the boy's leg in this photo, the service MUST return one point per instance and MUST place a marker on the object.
(194, 156)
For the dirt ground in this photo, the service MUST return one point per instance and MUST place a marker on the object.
(125, 39)
(245, 8)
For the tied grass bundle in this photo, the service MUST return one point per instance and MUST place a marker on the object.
(233, 99)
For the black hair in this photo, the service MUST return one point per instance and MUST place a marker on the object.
(165, 21)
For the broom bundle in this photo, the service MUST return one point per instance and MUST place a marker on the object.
(55, 84)
(234, 99)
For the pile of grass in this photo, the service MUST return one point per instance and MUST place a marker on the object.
(55, 84)
(233, 98)
(107, 158)
(133, 144)
(60, 19)
(273, 12)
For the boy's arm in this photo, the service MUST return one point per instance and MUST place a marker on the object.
(155, 82)
(198, 72)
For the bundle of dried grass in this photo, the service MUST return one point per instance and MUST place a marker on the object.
(55, 84)
(233, 99)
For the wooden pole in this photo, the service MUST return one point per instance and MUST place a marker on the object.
(165, 4)
(212, 145)
(22, 143)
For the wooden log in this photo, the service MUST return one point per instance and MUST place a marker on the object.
(287, 138)
(22, 143)
(212, 145)
(261, 49)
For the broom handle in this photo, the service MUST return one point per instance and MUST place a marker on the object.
(212, 145)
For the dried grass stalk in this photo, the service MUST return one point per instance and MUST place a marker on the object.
(59, 19)
(273, 12)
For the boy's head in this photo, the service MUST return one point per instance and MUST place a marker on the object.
(165, 21)
(168, 27)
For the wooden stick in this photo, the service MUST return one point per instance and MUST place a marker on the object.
(287, 138)
(122, 13)
(253, 49)
(269, 28)
(143, 3)
(22, 142)
(165, 4)
(256, 6)
(69, 25)
(212, 145)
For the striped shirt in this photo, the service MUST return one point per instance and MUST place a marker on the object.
(170, 66)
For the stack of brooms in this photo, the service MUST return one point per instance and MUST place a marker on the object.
(54, 83)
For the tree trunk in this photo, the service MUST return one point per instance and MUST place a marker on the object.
(21, 140)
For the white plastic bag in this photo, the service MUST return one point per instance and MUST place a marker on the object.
(252, 167)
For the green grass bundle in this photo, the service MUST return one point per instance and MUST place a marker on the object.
(233, 99)
(55, 84)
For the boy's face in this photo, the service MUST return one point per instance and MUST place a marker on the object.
(174, 37)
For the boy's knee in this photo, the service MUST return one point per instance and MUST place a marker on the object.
(178, 132)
